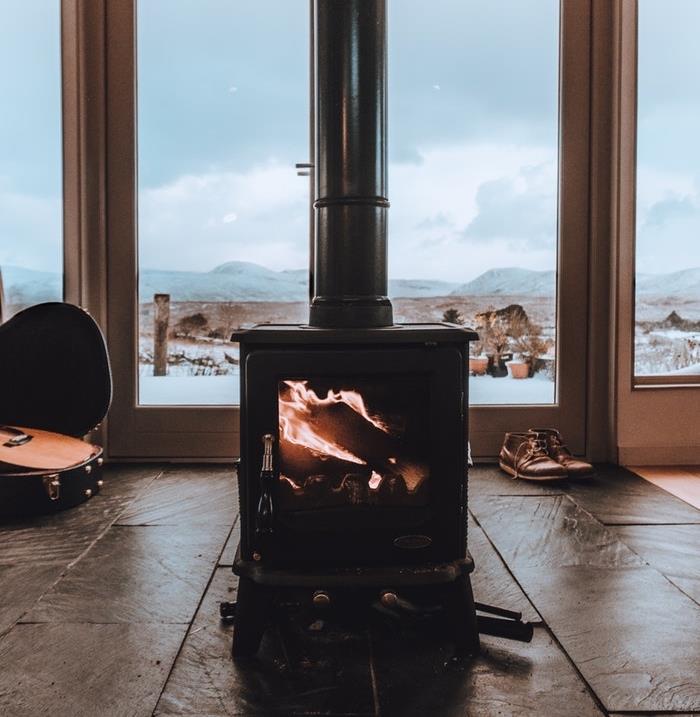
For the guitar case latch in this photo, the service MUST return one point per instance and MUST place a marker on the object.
(52, 485)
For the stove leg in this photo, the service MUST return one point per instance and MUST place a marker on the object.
(252, 611)
(462, 614)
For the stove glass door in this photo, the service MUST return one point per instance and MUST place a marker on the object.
(360, 441)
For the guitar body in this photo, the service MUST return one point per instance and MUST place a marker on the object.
(55, 378)
(54, 370)
(41, 450)
(31, 492)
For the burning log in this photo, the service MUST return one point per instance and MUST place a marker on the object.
(300, 463)
(354, 489)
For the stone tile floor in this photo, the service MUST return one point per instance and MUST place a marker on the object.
(112, 609)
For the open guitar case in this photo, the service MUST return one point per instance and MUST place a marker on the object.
(54, 375)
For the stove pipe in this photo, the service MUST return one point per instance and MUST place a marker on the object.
(350, 272)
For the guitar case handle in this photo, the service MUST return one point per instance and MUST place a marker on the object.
(19, 437)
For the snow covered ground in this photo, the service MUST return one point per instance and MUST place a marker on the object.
(486, 390)
(224, 390)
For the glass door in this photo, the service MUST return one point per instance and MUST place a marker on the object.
(487, 180)
(667, 296)
(31, 167)
(218, 101)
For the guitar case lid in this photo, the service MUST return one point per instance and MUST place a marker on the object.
(54, 370)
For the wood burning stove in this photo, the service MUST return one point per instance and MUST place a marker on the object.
(369, 434)
(353, 470)
(365, 481)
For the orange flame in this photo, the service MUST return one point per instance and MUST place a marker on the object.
(296, 428)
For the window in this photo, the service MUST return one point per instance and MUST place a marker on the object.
(223, 116)
(473, 131)
(213, 131)
(667, 321)
(31, 233)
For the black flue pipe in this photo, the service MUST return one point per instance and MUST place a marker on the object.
(350, 206)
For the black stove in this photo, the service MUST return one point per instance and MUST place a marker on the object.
(354, 430)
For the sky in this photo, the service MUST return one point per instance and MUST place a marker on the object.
(223, 117)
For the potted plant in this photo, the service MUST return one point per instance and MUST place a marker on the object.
(478, 360)
(518, 367)
(531, 346)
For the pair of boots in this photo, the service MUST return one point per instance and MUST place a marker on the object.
(540, 454)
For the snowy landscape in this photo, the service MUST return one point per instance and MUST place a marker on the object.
(503, 304)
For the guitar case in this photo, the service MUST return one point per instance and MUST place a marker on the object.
(54, 375)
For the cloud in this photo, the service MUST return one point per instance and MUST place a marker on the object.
(181, 224)
(668, 219)
(435, 203)
(31, 230)
(669, 210)
(667, 234)
(436, 208)
(520, 209)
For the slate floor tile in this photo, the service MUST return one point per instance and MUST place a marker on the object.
(187, 495)
(136, 574)
(82, 670)
(492, 582)
(491, 480)
(617, 496)
(631, 633)
(331, 676)
(417, 677)
(674, 550)
(229, 552)
(21, 586)
(549, 531)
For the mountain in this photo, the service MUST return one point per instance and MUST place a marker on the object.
(510, 280)
(25, 286)
(245, 281)
(684, 283)
(233, 281)
(420, 288)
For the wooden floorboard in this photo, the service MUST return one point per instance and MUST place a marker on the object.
(684, 483)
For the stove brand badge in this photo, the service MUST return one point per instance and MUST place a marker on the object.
(412, 542)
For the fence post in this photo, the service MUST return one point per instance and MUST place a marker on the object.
(161, 319)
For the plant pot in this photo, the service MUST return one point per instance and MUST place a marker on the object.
(518, 369)
(478, 365)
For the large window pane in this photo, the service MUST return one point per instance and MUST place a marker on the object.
(223, 113)
(473, 176)
(667, 336)
(31, 232)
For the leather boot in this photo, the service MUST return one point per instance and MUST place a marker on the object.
(558, 452)
(524, 455)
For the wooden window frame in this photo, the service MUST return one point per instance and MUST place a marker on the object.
(101, 221)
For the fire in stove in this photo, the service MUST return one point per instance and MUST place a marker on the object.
(361, 444)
